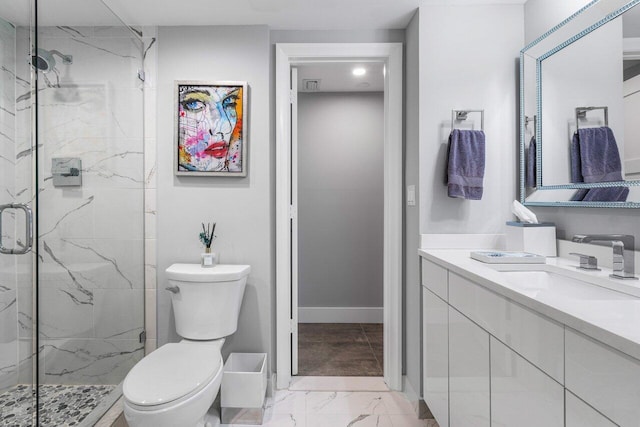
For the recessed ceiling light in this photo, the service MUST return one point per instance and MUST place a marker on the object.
(359, 71)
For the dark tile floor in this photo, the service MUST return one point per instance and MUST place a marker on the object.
(340, 349)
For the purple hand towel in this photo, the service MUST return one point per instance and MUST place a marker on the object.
(576, 164)
(466, 164)
(531, 164)
(595, 158)
(599, 155)
(607, 194)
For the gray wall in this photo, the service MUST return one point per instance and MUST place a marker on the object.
(412, 295)
(242, 207)
(340, 199)
(540, 15)
(468, 59)
(457, 57)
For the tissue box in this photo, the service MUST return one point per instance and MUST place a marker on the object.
(534, 238)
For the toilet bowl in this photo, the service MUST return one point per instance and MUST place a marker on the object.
(177, 384)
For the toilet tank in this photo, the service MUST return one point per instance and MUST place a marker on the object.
(206, 301)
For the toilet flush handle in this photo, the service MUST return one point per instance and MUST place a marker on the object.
(173, 289)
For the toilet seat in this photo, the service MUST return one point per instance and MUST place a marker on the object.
(172, 373)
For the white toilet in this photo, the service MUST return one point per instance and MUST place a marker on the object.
(177, 384)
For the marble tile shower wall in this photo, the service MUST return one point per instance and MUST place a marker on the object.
(8, 285)
(91, 238)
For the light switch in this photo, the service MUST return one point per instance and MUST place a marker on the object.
(411, 195)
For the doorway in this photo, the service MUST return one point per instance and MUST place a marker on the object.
(340, 218)
(289, 56)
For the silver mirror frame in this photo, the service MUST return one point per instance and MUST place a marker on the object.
(538, 125)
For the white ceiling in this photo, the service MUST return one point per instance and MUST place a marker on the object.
(338, 77)
(277, 14)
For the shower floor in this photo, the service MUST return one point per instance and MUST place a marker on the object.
(60, 405)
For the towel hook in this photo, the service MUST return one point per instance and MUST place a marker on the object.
(581, 113)
(461, 115)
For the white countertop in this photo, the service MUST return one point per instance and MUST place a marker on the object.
(609, 316)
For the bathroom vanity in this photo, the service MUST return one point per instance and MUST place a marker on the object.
(528, 345)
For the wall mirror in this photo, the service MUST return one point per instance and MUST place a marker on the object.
(580, 110)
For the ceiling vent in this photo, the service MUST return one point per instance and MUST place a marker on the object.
(311, 85)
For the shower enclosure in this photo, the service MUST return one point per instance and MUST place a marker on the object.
(71, 210)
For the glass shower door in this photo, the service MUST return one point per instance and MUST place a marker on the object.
(90, 219)
(71, 185)
(17, 397)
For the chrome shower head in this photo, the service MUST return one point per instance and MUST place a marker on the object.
(45, 62)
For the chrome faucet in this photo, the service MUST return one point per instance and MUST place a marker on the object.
(623, 254)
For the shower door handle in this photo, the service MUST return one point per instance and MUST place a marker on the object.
(28, 230)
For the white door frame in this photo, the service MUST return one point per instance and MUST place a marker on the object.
(288, 54)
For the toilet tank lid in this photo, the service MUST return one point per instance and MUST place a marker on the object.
(171, 372)
(197, 273)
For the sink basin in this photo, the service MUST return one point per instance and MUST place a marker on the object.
(537, 283)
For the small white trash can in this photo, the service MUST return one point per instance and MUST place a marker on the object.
(243, 389)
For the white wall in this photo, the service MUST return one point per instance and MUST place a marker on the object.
(411, 271)
(542, 15)
(468, 59)
(340, 199)
(242, 207)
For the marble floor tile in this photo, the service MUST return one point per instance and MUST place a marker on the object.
(345, 403)
(397, 403)
(285, 420)
(342, 420)
(411, 421)
(287, 402)
(326, 383)
(289, 408)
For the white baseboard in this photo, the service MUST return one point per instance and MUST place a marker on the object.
(271, 385)
(340, 314)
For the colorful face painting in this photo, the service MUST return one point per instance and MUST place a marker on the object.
(210, 129)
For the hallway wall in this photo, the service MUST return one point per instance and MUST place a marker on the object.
(341, 197)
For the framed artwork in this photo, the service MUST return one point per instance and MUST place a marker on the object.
(210, 127)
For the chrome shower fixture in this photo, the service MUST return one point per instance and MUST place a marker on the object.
(45, 62)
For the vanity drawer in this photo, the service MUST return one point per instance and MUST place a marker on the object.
(435, 348)
(434, 278)
(535, 337)
(521, 394)
(469, 373)
(579, 414)
(604, 378)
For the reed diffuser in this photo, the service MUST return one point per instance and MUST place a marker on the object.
(207, 237)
